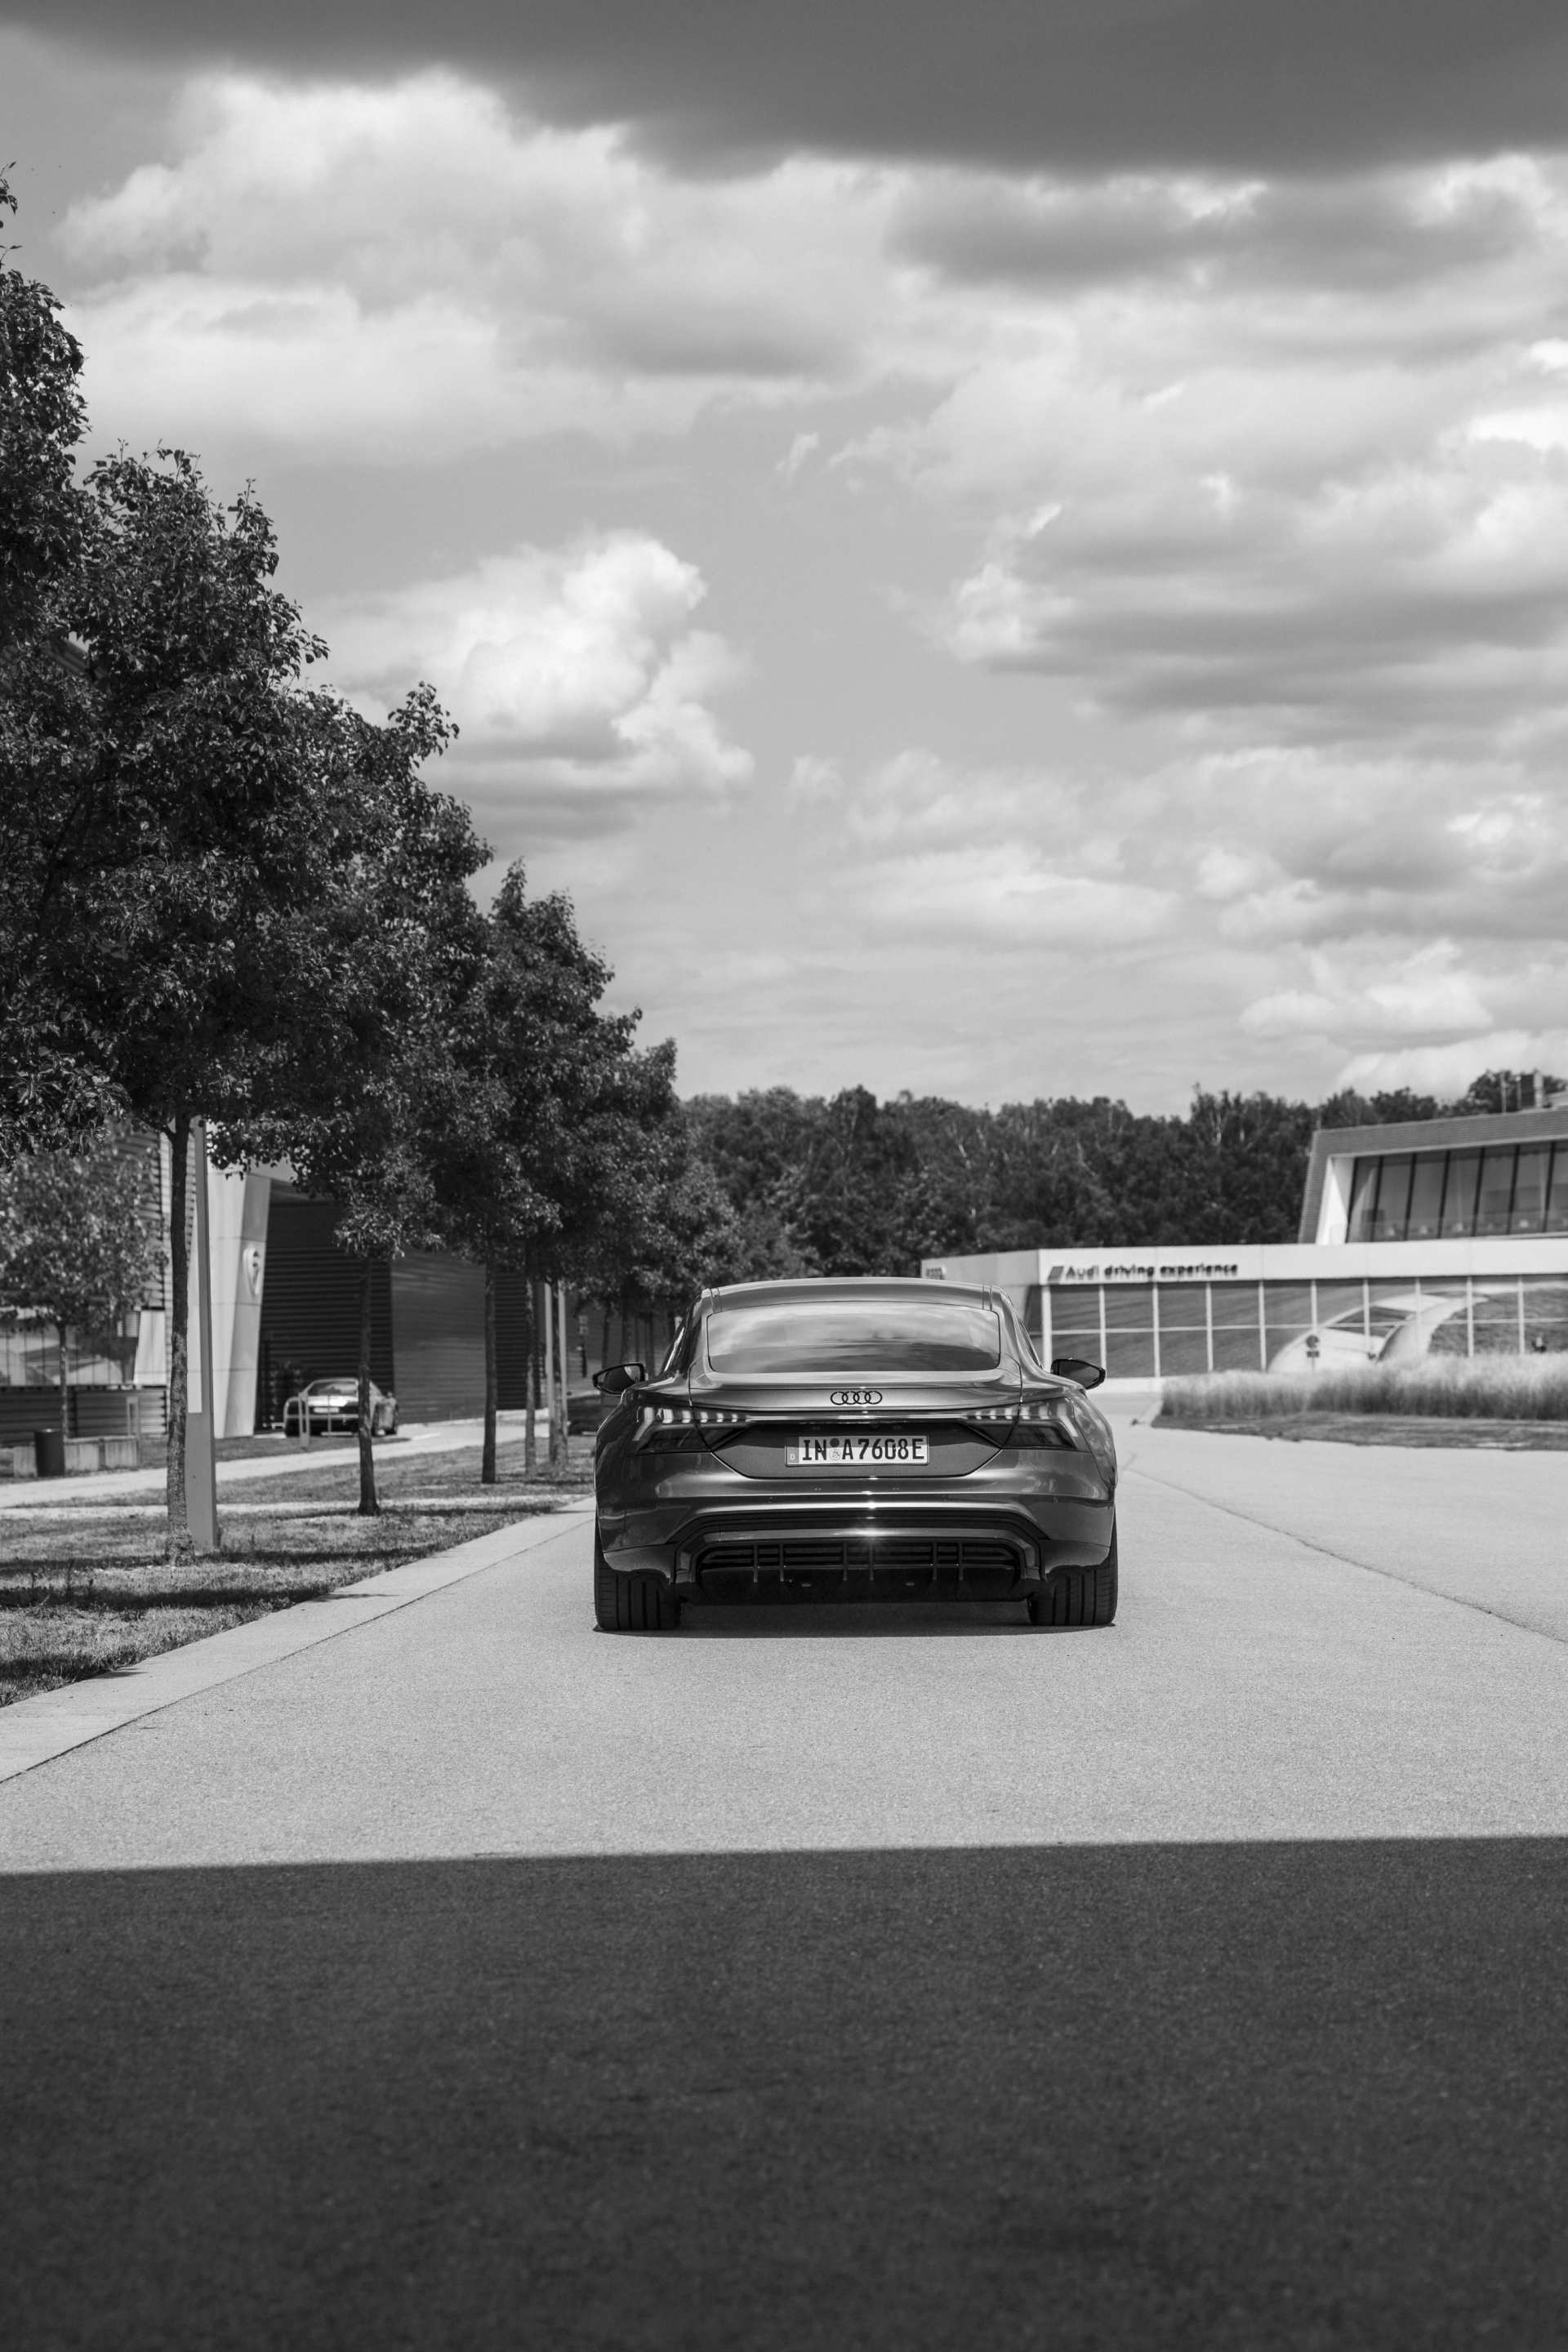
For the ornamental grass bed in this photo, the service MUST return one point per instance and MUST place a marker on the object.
(1504, 1391)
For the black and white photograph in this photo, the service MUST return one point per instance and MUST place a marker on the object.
(783, 1176)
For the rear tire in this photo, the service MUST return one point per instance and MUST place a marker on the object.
(1079, 1596)
(631, 1604)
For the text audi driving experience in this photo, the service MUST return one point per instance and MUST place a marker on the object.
(853, 1441)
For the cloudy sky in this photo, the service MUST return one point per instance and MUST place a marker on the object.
(1001, 551)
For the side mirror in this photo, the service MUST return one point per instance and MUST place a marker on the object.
(1078, 1369)
(616, 1377)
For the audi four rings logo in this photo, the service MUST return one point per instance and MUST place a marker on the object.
(855, 1396)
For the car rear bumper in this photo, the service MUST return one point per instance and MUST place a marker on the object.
(850, 1548)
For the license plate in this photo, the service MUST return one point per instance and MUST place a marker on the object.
(850, 1452)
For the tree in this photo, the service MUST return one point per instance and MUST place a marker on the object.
(362, 1100)
(48, 1093)
(80, 1245)
(562, 1131)
(190, 830)
(521, 1155)
(42, 418)
(1500, 1090)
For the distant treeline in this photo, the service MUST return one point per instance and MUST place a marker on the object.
(854, 1186)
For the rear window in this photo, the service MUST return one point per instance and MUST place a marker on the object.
(854, 1335)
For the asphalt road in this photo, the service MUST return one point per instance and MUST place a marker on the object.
(877, 1979)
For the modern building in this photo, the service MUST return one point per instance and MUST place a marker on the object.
(1444, 1236)
(285, 1303)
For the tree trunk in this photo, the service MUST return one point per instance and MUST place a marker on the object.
(180, 1544)
(65, 1382)
(488, 1453)
(558, 1356)
(530, 1378)
(369, 1508)
(605, 1340)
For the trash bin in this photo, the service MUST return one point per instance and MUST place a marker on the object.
(49, 1451)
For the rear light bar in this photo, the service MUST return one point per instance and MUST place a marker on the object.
(1028, 1411)
(1035, 1421)
(681, 1416)
(662, 1425)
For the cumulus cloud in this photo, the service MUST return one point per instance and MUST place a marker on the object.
(577, 676)
(1341, 906)
(1278, 461)
(1427, 994)
(1254, 472)
(1446, 1070)
(416, 269)
(1368, 234)
(1418, 604)
(929, 850)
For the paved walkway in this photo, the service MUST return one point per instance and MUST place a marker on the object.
(110, 1485)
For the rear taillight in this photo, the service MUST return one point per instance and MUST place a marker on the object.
(1039, 1426)
(1032, 1421)
(666, 1429)
(1041, 1422)
(674, 1428)
(1089, 1431)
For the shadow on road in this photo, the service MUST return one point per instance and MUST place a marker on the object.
(879, 1620)
(1238, 2096)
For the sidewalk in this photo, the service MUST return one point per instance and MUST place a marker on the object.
(115, 1486)
(36, 1730)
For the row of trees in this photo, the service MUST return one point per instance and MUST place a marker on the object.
(854, 1186)
(228, 896)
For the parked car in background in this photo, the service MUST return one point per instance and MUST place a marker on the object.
(326, 1405)
(871, 1440)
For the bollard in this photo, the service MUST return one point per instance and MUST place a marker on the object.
(50, 1452)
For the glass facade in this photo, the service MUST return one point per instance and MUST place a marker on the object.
(1148, 1330)
(1417, 1196)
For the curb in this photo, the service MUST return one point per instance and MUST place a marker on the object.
(36, 1730)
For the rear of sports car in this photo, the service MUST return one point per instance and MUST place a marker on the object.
(853, 1441)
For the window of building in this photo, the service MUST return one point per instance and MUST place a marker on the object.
(1459, 1193)
(1184, 1312)
(1557, 1192)
(1075, 1324)
(1363, 1200)
(1393, 1211)
(1528, 1212)
(1425, 1222)
(1496, 1198)
(1237, 1341)
(1288, 1306)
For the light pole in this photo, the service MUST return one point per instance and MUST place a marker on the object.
(565, 1426)
(201, 1462)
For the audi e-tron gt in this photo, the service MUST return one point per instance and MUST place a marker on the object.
(873, 1440)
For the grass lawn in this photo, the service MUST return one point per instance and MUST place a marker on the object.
(1391, 1429)
(404, 1477)
(84, 1589)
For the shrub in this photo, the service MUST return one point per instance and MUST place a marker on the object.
(1479, 1388)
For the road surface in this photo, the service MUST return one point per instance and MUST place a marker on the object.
(839, 1980)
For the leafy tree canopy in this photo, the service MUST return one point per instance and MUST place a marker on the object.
(42, 416)
(848, 1185)
(80, 1246)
